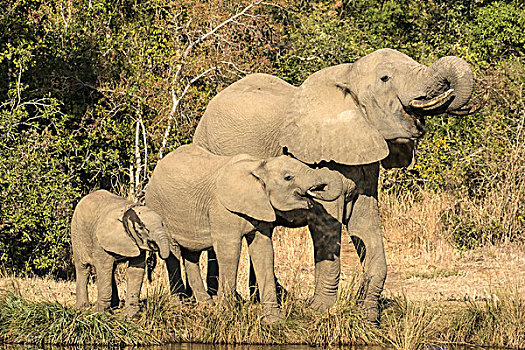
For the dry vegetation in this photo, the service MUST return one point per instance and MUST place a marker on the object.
(434, 294)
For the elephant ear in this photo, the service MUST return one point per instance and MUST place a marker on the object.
(326, 134)
(401, 155)
(240, 191)
(113, 237)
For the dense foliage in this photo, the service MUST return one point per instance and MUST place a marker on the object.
(79, 78)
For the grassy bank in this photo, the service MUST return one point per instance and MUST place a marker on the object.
(496, 321)
(435, 294)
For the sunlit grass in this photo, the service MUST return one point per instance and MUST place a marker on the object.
(405, 324)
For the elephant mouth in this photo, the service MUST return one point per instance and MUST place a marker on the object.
(433, 105)
(419, 125)
(306, 197)
(315, 191)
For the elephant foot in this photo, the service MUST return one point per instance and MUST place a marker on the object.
(101, 307)
(370, 310)
(322, 303)
(83, 305)
(271, 315)
(131, 312)
(208, 301)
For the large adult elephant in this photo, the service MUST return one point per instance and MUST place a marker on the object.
(350, 118)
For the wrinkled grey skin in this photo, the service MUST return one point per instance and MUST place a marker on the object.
(99, 240)
(350, 118)
(209, 201)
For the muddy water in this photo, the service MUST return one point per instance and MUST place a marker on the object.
(189, 346)
(292, 347)
(255, 347)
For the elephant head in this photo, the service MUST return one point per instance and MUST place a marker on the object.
(349, 112)
(257, 188)
(137, 228)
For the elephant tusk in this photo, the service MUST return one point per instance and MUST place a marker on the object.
(425, 104)
(311, 194)
(472, 109)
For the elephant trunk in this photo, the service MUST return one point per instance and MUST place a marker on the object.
(328, 185)
(449, 86)
(162, 241)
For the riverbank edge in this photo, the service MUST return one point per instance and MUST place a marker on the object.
(497, 321)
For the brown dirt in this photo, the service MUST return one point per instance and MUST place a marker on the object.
(421, 275)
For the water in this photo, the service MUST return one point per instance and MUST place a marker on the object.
(191, 346)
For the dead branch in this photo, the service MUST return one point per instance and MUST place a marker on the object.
(175, 98)
(144, 140)
(138, 164)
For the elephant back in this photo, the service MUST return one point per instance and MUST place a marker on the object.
(240, 120)
(180, 191)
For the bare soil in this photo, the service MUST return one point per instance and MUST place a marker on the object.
(438, 273)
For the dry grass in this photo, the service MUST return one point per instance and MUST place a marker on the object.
(406, 324)
(164, 319)
(424, 263)
(436, 294)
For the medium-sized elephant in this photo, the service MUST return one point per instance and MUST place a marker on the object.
(207, 200)
(107, 229)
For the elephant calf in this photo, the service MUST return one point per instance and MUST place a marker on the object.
(209, 201)
(107, 229)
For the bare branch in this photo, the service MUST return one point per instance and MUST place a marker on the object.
(137, 157)
(213, 30)
(18, 88)
(131, 180)
(144, 140)
(192, 81)
(175, 104)
(175, 98)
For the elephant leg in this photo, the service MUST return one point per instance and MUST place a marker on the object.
(252, 284)
(282, 293)
(175, 276)
(104, 271)
(228, 250)
(365, 229)
(115, 301)
(193, 274)
(261, 253)
(325, 224)
(135, 272)
(212, 274)
(82, 274)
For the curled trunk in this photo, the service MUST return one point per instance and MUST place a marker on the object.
(450, 83)
(329, 185)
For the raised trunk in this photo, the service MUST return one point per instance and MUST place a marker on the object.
(328, 186)
(449, 73)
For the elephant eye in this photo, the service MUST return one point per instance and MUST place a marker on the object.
(288, 177)
(385, 78)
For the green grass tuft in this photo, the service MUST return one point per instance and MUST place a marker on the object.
(497, 321)
(45, 322)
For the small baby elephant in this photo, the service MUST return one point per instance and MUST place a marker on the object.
(107, 229)
(209, 201)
